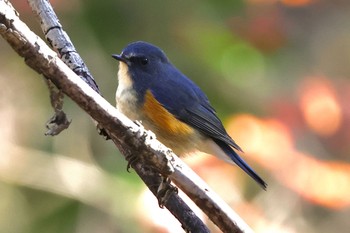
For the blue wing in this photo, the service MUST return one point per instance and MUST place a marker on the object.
(182, 98)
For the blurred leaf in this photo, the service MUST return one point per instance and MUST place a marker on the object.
(242, 65)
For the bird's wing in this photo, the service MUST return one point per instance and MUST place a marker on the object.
(183, 99)
(206, 121)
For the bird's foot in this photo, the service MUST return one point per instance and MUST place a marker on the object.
(165, 190)
(132, 159)
(101, 131)
(185, 229)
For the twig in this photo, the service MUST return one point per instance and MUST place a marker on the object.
(59, 40)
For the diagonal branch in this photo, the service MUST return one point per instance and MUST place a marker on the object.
(128, 137)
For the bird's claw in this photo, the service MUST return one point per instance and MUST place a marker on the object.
(132, 159)
(101, 131)
(164, 192)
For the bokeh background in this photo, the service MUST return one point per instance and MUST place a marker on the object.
(277, 72)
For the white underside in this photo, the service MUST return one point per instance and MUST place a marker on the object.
(210, 147)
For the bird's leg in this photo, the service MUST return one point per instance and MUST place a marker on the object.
(101, 131)
(132, 159)
(165, 190)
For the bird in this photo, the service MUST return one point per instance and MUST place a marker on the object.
(153, 91)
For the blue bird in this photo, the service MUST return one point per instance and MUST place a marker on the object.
(152, 90)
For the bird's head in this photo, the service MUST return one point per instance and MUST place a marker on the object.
(142, 58)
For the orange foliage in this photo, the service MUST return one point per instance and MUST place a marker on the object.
(320, 107)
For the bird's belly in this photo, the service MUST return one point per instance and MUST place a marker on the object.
(181, 144)
(126, 97)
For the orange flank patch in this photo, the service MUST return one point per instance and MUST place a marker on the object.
(163, 119)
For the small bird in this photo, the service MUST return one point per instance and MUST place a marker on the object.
(152, 90)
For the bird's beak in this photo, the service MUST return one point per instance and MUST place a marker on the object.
(120, 58)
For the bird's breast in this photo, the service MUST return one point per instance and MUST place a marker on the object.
(126, 96)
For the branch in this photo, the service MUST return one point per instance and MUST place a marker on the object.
(60, 42)
(128, 137)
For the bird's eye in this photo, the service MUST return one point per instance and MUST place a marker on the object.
(144, 61)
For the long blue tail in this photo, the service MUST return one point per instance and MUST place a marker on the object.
(240, 162)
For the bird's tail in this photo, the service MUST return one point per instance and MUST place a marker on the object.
(240, 162)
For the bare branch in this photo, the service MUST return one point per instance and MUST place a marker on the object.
(59, 40)
(129, 137)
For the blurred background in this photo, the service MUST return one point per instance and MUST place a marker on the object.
(277, 72)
